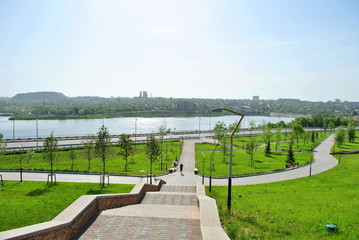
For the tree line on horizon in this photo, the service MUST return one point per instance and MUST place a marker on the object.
(61, 106)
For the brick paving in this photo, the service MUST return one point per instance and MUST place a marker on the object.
(172, 213)
(134, 227)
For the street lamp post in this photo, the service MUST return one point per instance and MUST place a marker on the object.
(229, 196)
(135, 132)
(211, 163)
(13, 126)
(37, 132)
(199, 127)
(21, 164)
(204, 158)
(211, 167)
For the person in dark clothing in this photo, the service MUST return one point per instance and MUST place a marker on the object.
(181, 167)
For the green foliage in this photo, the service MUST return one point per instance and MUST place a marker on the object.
(267, 134)
(72, 156)
(340, 136)
(351, 131)
(27, 203)
(29, 157)
(50, 149)
(258, 162)
(126, 146)
(153, 151)
(297, 131)
(103, 147)
(251, 147)
(278, 136)
(267, 151)
(220, 130)
(97, 107)
(88, 150)
(2, 145)
(296, 209)
(138, 162)
(290, 156)
(162, 132)
(220, 133)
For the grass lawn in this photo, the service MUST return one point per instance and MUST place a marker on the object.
(296, 209)
(139, 163)
(241, 159)
(23, 204)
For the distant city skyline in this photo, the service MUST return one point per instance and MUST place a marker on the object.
(145, 94)
(234, 49)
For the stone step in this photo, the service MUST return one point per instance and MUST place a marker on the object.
(178, 188)
(149, 228)
(158, 198)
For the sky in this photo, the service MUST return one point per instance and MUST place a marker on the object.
(230, 49)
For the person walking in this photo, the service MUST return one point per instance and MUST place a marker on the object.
(181, 167)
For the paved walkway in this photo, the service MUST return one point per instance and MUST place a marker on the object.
(172, 213)
(323, 161)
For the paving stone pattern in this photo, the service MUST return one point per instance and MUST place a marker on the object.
(132, 227)
(178, 188)
(171, 213)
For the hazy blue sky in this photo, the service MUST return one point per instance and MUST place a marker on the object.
(306, 49)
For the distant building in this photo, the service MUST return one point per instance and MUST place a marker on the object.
(185, 106)
(337, 100)
(143, 94)
(255, 98)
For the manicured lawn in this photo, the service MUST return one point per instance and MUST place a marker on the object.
(138, 163)
(296, 209)
(23, 204)
(241, 159)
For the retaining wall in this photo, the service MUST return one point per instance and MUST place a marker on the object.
(76, 216)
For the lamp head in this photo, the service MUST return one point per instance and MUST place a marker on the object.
(216, 110)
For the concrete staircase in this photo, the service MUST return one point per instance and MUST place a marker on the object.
(171, 213)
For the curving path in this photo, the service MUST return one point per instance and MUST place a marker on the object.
(323, 161)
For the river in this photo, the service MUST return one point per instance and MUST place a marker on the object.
(83, 127)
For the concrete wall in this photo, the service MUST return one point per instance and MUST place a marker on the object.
(211, 228)
(75, 217)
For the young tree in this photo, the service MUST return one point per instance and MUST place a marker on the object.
(162, 132)
(267, 151)
(220, 132)
(29, 156)
(152, 149)
(72, 156)
(267, 136)
(351, 131)
(2, 145)
(290, 156)
(331, 126)
(102, 148)
(233, 125)
(88, 151)
(50, 152)
(278, 136)
(126, 146)
(340, 136)
(251, 147)
(297, 130)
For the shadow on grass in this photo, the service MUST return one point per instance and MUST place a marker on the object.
(97, 191)
(38, 192)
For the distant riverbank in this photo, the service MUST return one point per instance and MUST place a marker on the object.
(129, 125)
